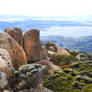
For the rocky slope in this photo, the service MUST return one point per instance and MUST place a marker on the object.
(27, 65)
(22, 65)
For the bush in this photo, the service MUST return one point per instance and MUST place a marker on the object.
(58, 59)
(87, 88)
(67, 50)
(74, 53)
(59, 82)
(49, 44)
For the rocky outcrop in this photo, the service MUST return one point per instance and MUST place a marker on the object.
(62, 51)
(32, 45)
(6, 63)
(44, 53)
(54, 68)
(18, 55)
(4, 43)
(16, 33)
(53, 48)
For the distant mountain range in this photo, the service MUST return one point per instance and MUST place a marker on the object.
(63, 30)
(78, 44)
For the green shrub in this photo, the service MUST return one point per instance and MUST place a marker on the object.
(74, 53)
(87, 88)
(49, 44)
(59, 82)
(58, 59)
(66, 82)
(85, 66)
(67, 49)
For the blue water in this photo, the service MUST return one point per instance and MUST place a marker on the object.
(67, 31)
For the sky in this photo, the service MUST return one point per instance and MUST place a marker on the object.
(46, 7)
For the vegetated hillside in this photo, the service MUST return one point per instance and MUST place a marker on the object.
(75, 74)
(84, 44)
(59, 40)
(79, 44)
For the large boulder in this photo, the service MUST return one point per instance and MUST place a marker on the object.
(32, 45)
(17, 53)
(62, 51)
(45, 53)
(16, 33)
(4, 43)
(53, 48)
(54, 68)
(6, 63)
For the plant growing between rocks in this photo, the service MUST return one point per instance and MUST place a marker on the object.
(31, 75)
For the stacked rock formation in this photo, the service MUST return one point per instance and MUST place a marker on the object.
(32, 45)
(11, 42)
(16, 51)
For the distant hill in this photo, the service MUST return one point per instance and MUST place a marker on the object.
(56, 29)
(79, 44)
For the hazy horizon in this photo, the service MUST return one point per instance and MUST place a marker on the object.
(71, 18)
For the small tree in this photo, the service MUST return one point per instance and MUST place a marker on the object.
(49, 44)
